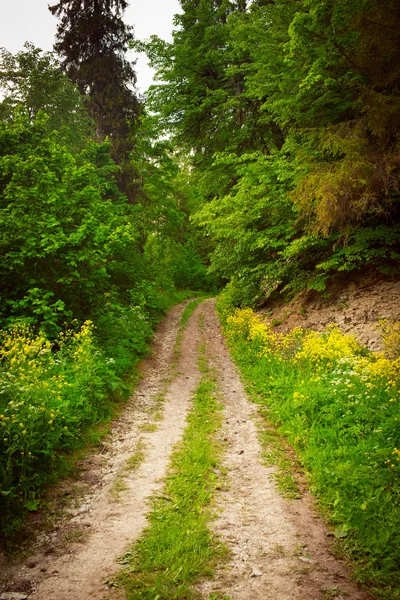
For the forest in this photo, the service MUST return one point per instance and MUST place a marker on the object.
(264, 161)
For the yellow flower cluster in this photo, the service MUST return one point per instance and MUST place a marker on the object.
(391, 338)
(239, 321)
(327, 348)
(396, 454)
(379, 368)
(321, 350)
(20, 345)
(37, 379)
(298, 397)
(244, 323)
(312, 346)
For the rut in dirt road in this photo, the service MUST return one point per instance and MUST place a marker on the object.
(79, 571)
(279, 549)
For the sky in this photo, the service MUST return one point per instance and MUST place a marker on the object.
(30, 20)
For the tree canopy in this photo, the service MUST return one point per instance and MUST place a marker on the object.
(289, 112)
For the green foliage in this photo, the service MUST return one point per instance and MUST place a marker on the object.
(66, 235)
(32, 81)
(74, 249)
(337, 405)
(252, 224)
(290, 114)
(47, 401)
(92, 41)
(177, 265)
(123, 333)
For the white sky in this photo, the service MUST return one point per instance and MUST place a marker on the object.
(30, 21)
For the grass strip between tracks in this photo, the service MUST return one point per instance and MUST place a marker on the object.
(178, 548)
(187, 313)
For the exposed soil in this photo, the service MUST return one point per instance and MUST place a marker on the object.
(279, 548)
(356, 305)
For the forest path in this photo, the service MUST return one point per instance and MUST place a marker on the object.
(76, 559)
(279, 548)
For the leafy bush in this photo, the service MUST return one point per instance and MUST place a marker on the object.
(124, 333)
(47, 400)
(67, 234)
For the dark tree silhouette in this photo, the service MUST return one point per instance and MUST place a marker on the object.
(92, 41)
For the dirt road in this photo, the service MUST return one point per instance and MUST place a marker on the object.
(279, 547)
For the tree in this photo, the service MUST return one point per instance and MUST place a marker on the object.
(68, 237)
(33, 81)
(92, 40)
(290, 113)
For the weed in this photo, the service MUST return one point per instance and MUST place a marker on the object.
(132, 463)
(337, 405)
(277, 452)
(331, 593)
(118, 487)
(276, 322)
(148, 427)
(278, 550)
(136, 459)
(158, 415)
(76, 536)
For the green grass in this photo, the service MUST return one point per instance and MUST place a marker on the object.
(189, 310)
(277, 452)
(177, 549)
(344, 427)
(187, 313)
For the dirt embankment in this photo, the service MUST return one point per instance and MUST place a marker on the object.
(356, 305)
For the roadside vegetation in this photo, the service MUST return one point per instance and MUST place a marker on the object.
(96, 245)
(288, 114)
(338, 406)
(53, 392)
(178, 549)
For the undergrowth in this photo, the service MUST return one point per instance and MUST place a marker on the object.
(338, 406)
(53, 397)
(177, 548)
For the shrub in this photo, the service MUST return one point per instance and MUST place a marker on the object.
(47, 400)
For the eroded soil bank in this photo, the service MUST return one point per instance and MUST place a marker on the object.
(279, 548)
(357, 305)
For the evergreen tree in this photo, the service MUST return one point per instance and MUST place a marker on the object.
(290, 113)
(92, 40)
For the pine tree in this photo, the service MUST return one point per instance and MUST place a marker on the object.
(92, 41)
